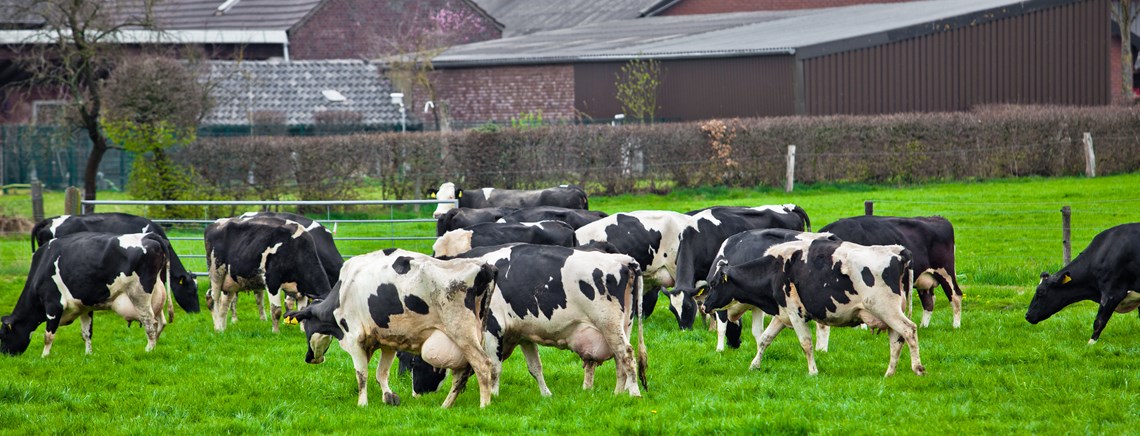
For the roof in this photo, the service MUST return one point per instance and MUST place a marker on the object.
(242, 15)
(522, 17)
(295, 89)
(805, 33)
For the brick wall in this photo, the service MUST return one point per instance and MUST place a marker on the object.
(476, 95)
(694, 7)
(356, 29)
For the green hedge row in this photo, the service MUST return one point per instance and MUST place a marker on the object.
(991, 142)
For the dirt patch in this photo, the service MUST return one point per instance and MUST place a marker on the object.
(14, 224)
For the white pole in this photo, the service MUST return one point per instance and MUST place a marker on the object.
(791, 169)
(1090, 156)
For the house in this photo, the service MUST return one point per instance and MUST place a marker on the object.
(942, 55)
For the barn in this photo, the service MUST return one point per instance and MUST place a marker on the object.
(942, 55)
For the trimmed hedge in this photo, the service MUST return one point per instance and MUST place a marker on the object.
(991, 142)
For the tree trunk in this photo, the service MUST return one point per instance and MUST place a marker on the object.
(98, 148)
(1124, 20)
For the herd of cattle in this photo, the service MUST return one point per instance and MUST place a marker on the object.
(528, 268)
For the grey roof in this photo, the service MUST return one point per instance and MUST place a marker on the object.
(805, 32)
(295, 89)
(243, 15)
(521, 17)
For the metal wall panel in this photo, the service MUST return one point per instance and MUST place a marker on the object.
(1052, 56)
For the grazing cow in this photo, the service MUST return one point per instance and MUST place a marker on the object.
(703, 237)
(183, 284)
(834, 283)
(649, 236)
(576, 299)
(331, 260)
(396, 300)
(1107, 271)
(568, 196)
(74, 275)
(460, 217)
(460, 241)
(931, 243)
(576, 218)
(261, 253)
(742, 248)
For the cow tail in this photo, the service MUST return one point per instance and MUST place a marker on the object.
(168, 253)
(803, 214)
(642, 354)
(36, 231)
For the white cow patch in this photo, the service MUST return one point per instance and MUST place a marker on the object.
(704, 214)
(269, 251)
(487, 193)
(132, 241)
(300, 229)
(780, 209)
(57, 222)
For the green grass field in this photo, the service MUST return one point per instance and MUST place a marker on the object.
(997, 374)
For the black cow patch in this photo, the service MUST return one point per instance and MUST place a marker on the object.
(384, 303)
(587, 289)
(869, 277)
(537, 289)
(402, 265)
(389, 251)
(894, 269)
(630, 236)
(416, 304)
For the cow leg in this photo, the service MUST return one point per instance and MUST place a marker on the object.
(534, 365)
(649, 301)
(85, 321)
(801, 327)
(145, 312)
(896, 341)
(383, 367)
(221, 306)
(625, 368)
(480, 363)
(926, 296)
(233, 310)
(360, 358)
(765, 340)
(822, 336)
(1108, 305)
(274, 308)
(721, 331)
(588, 367)
(458, 385)
(259, 294)
(903, 326)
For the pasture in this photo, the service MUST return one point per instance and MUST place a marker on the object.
(996, 374)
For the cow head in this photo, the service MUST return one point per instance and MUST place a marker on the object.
(185, 290)
(1054, 293)
(446, 191)
(425, 378)
(683, 305)
(319, 324)
(14, 337)
(717, 291)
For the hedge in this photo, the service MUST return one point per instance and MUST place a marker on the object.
(991, 142)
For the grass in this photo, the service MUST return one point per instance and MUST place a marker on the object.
(997, 374)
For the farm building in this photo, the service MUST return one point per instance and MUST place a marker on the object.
(944, 55)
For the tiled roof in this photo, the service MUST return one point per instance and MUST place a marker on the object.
(521, 17)
(295, 90)
(243, 15)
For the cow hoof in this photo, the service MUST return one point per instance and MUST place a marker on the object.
(920, 370)
(1092, 341)
(391, 399)
(889, 373)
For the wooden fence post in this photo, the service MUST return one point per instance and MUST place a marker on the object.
(791, 169)
(37, 201)
(868, 207)
(1066, 221)
(71, 203)
(1090, 156)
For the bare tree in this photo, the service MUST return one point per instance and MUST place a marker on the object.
(1125, 14)
(77, 44)
(637, 84)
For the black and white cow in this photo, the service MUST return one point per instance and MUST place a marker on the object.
(568, 196)
(74, 275)
(460, 241)
(331, 260)
(396, 300)
(651, 237)
(261, 253)
(576, 218)
(460, 217)
(184, 286)
(742, 248)
(1107, 272)
(581, 300)
(931, 244)
(701, 240)
(830, 282)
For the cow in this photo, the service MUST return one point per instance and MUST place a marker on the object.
(577, 299)
(261, 253)
(650, 236)
(576, 218)
(460, 217)
(834, 283)
(1107, 272)
(184, 285)
(331, 260)
(460, 241)
(568, 196)
(742, 248)
(73, 275)
(704, 236)
(397, 300)
(931, 243)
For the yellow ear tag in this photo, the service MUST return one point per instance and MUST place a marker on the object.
(460, 195)
(1066, 279)
(432, 195)
(701, 291)
(290, 320)
(724, 278)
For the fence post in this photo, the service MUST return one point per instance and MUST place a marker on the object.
(71, 201)
(1090, 156)
(791, 169)
(1066, 215)
(37, 201)
(868, 207)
